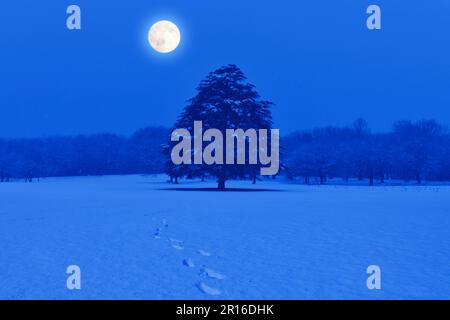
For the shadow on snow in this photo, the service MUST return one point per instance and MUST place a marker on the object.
(224, 190)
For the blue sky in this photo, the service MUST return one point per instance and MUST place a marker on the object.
(315, 59)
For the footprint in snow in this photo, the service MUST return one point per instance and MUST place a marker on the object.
(212, 274)
(157, 234)
(204, 253)
(207, 289)
(188, 263)
(176, 244)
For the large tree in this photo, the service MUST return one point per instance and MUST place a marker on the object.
(224, 100)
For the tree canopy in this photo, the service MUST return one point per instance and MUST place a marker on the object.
(224, 100)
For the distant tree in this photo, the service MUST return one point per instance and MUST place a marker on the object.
(337, 152)
(368, 153)
(373, 158)
(145, 150)
(224, 100)
(297, 158)
(314, 154)
(97, 154)
(6, 160)
(361, 127)
(441, 168)
(416, 145)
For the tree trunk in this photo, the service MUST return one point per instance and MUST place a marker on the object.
(322, 179)
(371, 180)
(176, 180)
(221, 183)
(418, 178)
(254, 179)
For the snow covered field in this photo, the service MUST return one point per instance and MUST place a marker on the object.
(134, 240)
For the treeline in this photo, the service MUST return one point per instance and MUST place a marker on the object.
(100, 154)
(412, 151)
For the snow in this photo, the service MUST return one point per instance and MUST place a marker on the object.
(133, 239)
(208, 290)
(188, 263)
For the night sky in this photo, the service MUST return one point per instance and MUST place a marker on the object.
(315, 59)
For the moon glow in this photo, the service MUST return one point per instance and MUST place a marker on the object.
(164, 36)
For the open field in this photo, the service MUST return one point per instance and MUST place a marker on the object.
(133, 239)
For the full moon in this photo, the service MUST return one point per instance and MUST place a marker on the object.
(164, 36)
